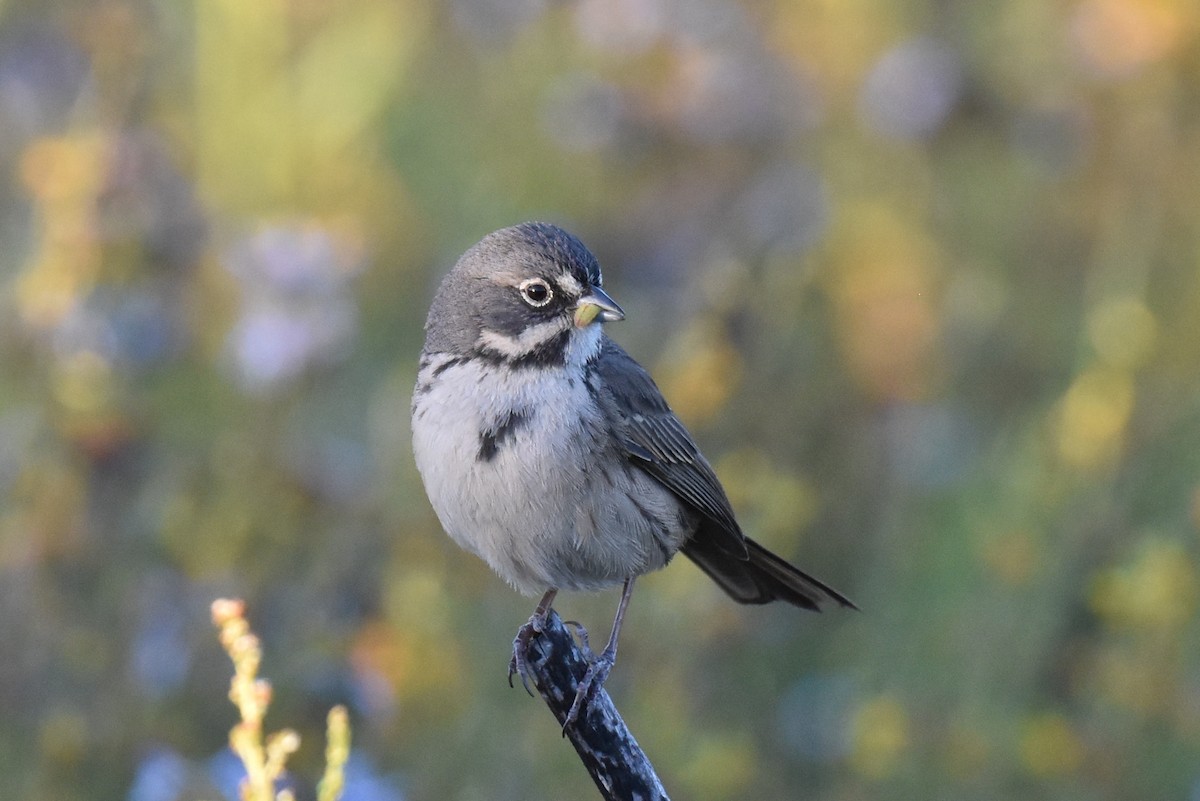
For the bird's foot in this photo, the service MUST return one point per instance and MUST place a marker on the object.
(581, 634)
(597, 673)
(519, 664)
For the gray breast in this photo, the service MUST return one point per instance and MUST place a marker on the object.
(526, 475)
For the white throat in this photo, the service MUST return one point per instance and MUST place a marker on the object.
(583, 345)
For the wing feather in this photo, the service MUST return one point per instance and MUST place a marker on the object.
(656, 441)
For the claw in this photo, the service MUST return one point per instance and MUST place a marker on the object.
(582, 634)
(592, 681)
(519, 663)
(598, 666)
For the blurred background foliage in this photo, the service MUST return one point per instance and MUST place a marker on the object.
(923, 278)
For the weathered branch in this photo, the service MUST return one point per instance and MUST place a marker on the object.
(608, 750)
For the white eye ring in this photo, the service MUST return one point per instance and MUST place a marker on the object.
(532, 290)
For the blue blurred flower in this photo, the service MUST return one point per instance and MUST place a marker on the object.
(226, 772)
(785, 208)
(161, 653)
(930, 446)
(743, 96)
(364, 783)
(162, 775)
(41, 75)
(912, 89)
(622, 27)
(813, 716)
(298, 310)
(582, 113)
(495, 21)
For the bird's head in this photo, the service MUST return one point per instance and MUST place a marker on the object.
(529, 295)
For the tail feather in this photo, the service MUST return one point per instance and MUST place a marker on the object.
(761, 577)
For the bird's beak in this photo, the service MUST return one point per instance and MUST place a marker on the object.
(597, 305)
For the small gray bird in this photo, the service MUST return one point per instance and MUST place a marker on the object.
(550, 453)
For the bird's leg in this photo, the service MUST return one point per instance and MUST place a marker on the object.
(519, 664)
(601, 664)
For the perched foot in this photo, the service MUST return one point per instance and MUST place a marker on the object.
(519, 664)
(598, 666)
(592, 680)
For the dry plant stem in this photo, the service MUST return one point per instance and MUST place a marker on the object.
(251, 695)
(607, 749)
(337, 752)
(265, 763)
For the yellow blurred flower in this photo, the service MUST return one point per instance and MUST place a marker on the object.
(63, 736)
(776, 503)
(883, 286)
(879, 734)
(67, 169)
(1092, 417)
(84, 382)
(418, 599)
(1123, 332)
(287, 121)
(384, 656)
(1115, 37)
(835, 39)
(721, 766)
(64, 176)
(412, 634)
(48, 516)
(701, 374)
(1157, 591)
(1049, 746)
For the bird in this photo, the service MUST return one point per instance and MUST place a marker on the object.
(549, 452)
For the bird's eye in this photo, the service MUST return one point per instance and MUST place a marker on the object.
(536, 292)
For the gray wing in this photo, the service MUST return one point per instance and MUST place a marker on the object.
(657, 442)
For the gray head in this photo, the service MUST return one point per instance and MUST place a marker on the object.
(526, 296)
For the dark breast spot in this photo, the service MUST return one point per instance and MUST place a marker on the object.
(496, 436)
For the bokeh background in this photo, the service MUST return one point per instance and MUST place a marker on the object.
(922, 277)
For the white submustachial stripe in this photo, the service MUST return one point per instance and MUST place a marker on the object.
(524, 343)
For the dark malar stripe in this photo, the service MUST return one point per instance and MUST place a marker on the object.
(551, 353)
(446, 365)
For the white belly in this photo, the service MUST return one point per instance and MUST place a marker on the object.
(557, 504)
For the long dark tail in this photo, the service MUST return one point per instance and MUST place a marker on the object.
(760, 577)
